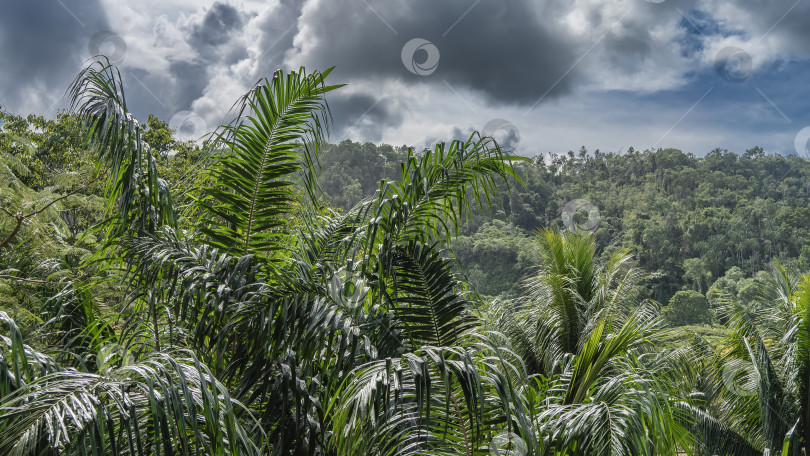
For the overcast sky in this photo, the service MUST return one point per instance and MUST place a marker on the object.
(544, 76)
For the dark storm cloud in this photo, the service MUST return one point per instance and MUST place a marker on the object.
(217, 25)
(454, 133)
(365, 114)
(214, 40)
(213, 37)
(279, 28)
(504, 52)
(192, 79)
(42, 46)
(625, 53)
(507, 50)
(787, 18)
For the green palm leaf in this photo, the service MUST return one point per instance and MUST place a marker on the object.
(165, 404)
(143, 200)
(437, 400)
(426, 296)
(437, 189)
(277, 134)
(714, 436)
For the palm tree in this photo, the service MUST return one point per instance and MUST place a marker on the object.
(582, 331)
(256, 321)
(249, 319)
(769, 352)
(567, 297)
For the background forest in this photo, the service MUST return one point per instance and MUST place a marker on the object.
(692, 223)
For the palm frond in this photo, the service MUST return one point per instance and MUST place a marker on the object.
(19, 363)
(166, 403)
(427, 296)
(437, 400)
(143, 199)
(714, 437)
(276, 135)
(203, 285)
(777, 408)
(437, 189)
(605, 344)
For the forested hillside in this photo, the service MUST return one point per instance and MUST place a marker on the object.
(688, 220)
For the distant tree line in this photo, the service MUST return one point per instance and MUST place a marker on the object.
(689, 221)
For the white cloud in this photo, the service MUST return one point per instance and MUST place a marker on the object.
(499, 58)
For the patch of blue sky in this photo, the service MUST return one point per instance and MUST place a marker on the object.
(699, 25)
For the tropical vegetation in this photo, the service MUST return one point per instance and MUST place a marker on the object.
(160, 297)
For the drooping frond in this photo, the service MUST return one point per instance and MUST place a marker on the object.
(437, 400)
(714, 437)
(203, 285)
(437, 189)
(777, 405)
(138, 199)
(166, 403)
(427, 297)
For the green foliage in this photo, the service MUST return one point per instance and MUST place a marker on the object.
(353, 171)
(276, 135)
(284, 317)
(753, 293)
(50, 149)
(697, 275)
(714, 335)
(582, 328)
(166, 403)
(158, 136)
(688, 307)
(496, 258)
(137, 198)
(688, 219)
